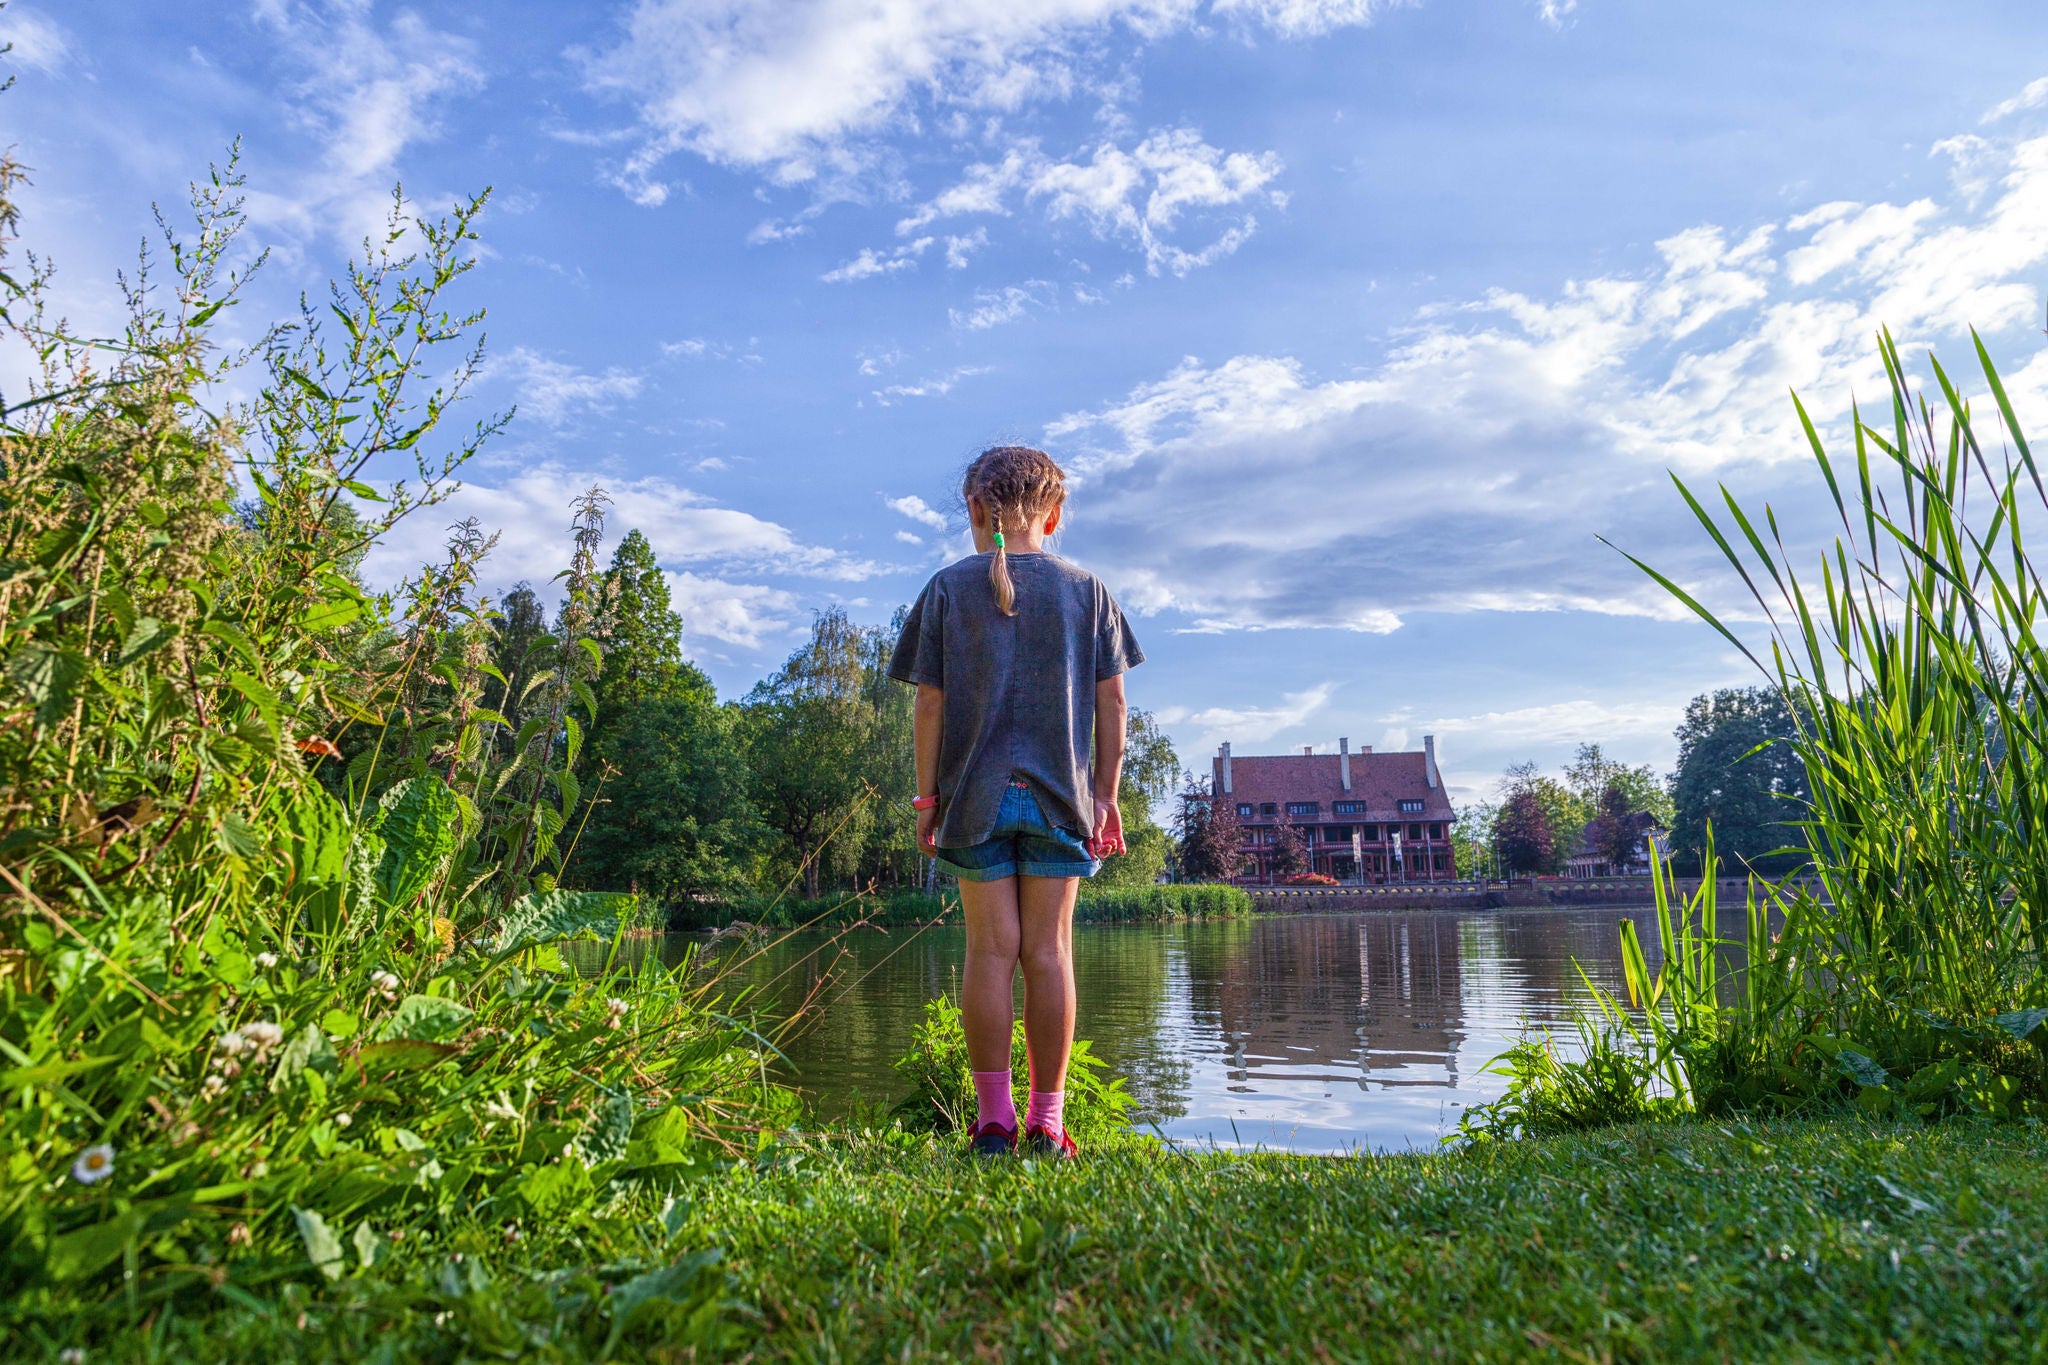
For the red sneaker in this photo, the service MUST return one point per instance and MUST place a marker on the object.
(991, 1139)
(1038, 1142)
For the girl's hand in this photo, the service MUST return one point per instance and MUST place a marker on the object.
(928, 831)
(1109, 830)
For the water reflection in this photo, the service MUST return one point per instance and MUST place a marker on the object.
(1309, 1032)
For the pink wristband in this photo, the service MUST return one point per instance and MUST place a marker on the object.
(924, 802)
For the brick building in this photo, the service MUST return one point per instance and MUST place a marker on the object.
(1363, 816)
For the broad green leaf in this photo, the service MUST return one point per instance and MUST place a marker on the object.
(558, 1188)
(1859, 1068)
(330, 615)
(687, 1281)
(46, 676)
(323, 1248)
(425, 1018)
(338, 1023)
(318, 829)
(660, 1139)
(546, 916)
(147, 635)
(609, 1131)
(88, 1250)
(2021, 1023)
(419, 826)
(403, 1054)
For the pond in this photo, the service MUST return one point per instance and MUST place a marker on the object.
(1312, 1033)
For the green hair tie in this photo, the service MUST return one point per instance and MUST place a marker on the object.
(998, 535)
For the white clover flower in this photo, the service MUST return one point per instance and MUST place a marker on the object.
(383, 981)
(263, 1036)
(616, 1005)
(344, 1119)
(501, 1108)
(72, 1355)
(238, 1235)
(213, 1087)
(232, 1042)
(94, 1164)
(265, 961)
(512, 1231)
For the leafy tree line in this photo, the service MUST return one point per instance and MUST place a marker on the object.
(1737, 773)
(805, 782)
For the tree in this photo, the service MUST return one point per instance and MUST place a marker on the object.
(1150, 767)
(1290, 850)
(1211, 841)
(1612, 833)
(1563, 816)
(1523, 834)
(1738, 772)
(672, 818)
(641, 633)
(1472, 839)
(1591, 773)
(517, 633)
(810, 743)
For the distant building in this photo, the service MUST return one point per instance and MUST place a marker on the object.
(1363, 817)
(1587, 861)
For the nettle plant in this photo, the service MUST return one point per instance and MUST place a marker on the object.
(279, 976)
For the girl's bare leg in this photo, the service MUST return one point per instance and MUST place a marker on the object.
(1045, 920)
(987, 982)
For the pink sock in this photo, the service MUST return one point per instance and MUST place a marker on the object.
(1045, 1111)
(992, 1096)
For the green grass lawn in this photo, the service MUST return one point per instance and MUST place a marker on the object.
(1820, 1240)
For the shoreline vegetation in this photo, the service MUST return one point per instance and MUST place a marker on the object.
(1097, 905)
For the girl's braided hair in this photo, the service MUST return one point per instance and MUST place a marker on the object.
(1016, 484)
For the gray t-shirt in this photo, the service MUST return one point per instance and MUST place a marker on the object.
(1020, 690)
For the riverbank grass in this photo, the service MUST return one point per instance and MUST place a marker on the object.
(1841, 1239)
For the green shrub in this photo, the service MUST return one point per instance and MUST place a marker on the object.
(942, 1084)
(1159, 904)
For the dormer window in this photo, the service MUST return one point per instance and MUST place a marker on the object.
(1268, 808)
(1411, 808)
(1303, 807)
(1244, 810)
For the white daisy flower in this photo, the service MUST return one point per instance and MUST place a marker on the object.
(94, 1164)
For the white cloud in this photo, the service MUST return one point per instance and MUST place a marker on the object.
(1303, 18)
(871, 262)
(1470, 470)
(914, 507)
(1248, 724)
(555, 391)
(1138, 195)
(994, 307)
(958, 249)
(935, 386)
(873, 363)
(2031, 96)
(366, 94)
(910, 537)
(1558, 722)
(529, 508)
(38, 42)
(742, 614)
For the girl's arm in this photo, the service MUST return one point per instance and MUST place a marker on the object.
(927, 720)
(1109, 766)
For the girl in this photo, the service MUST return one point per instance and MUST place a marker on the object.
(1018, 657)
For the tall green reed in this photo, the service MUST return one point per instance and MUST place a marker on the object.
(1905, 973)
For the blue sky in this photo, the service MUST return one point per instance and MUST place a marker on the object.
(1355, 322)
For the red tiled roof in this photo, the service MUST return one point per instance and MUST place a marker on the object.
(1382, 781)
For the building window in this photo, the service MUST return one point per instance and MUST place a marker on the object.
(1369, 833)
(1415, 832)
(1436, 831)
(1268, 808)
(1348, 808)
(1338, 834)
(1244, 810)
(1303, 807)
(1411, 808)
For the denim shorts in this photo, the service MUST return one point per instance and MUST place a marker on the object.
(1023, 843)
